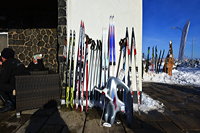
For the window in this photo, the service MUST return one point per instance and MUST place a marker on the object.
(3, 40)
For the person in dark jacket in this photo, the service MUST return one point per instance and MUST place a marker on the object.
(10, 68)
(36, 64)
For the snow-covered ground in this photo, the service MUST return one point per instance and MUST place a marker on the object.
(183, 76)
(148, 104)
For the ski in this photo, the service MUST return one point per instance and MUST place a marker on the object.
(106, 56)
(161, 60)
(157, 65)
(72, 71)
(111, 44)
(104, 42)
(152, 60)
(127, 73)
(156, 56)
(147, 61)
(114, 54)
(82, 67)
(68, 70)
(133, 62)
(78, 70)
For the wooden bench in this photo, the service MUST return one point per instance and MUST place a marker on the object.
(33, 91)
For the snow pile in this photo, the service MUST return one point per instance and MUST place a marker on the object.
(183, 76)
(149, 104)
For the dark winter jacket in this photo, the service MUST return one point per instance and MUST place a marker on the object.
(36, 67)
(10, 68)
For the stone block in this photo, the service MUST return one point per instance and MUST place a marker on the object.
(28, 32)
(18, 42)
(61, 12)
(62, 21)
(41, 43)
(21, 36)
(61, 3)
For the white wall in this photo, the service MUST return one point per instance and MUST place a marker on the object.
(95, 14)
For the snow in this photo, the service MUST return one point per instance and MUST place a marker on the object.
(181, 75)
(148, 104)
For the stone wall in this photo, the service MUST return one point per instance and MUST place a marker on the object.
(27, 42)
(48, 41)
(62, 24)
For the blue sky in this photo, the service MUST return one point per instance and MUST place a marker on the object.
(159, 16)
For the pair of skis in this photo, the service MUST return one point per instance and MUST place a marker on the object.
(70, 70)
(102, 61)
(157, 60)
(85, 73)
(105, 58)
(79, 84)
(108, 57)
(82, 72)
(111, 46)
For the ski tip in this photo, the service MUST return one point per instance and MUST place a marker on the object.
(83, 25)
(112, 16)
(133, 34)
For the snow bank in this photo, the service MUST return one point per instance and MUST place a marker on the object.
(148, 104)
(183, 76)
